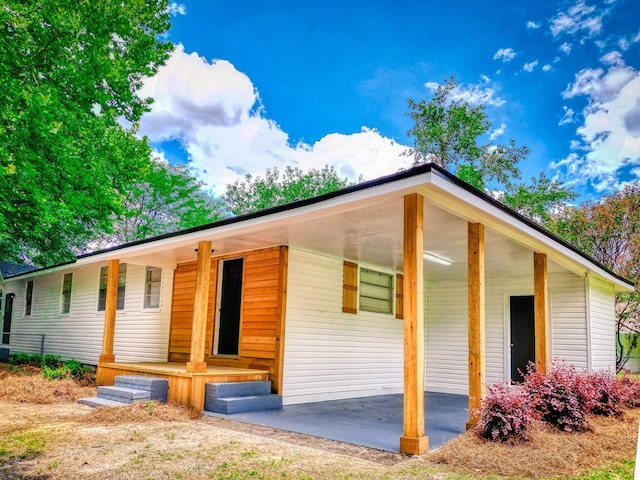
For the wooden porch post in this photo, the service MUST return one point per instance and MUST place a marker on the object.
(111, 302)
(476, 319)
(540, 291)
(199, 324)
(413, 440)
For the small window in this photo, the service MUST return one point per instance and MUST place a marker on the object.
(28, 298)
(152, 287)
(67, 281)
(376, 291)
(102, 293)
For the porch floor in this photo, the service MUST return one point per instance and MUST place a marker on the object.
(374, 422)
(180, 369)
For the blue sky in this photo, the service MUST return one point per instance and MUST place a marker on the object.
(255, 84)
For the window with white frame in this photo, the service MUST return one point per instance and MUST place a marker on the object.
(28, 298)
(376, 291)
(102, 293)
(152, 287)
(67, 281)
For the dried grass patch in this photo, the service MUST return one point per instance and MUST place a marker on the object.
(548, 453)
(34, 388)
(141, 412)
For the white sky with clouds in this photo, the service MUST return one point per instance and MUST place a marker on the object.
(215, 111)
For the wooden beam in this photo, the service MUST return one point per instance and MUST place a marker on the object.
(476, 319)
(413, 441)
(281, 323)
(541, 294)
(199, 323)
(111, 303)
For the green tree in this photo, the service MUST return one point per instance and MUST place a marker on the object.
(448, 131)
(609, 231)
(71, 70)
(170, 198)
(278, 188)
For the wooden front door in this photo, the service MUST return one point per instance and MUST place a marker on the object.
(522, 335)
(8, 311)
(228, 325)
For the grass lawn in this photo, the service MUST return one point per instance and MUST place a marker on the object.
(45, 434)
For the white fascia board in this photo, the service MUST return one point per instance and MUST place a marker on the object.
(340, 203)
(461, 202)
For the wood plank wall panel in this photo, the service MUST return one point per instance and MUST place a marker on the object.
(262, 307)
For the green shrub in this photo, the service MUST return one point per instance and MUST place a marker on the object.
(55, 373)
(25, 359)
(76, 369)
(50, 361)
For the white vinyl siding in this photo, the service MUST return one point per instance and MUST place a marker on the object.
(141, 335)
(330, 354)
(603, 324)
(568, 312)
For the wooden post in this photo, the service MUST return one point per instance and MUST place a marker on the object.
(540, 292)
(413, 441)
(199, 324)
(111, 302)
(476, 319)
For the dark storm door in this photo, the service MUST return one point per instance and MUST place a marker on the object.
(522, 335)
(230, 301)
(8, 311)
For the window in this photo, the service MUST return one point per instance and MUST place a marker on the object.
(102, 293)
(28, 298)
(376, 291)
(152, 287)
(67, 281)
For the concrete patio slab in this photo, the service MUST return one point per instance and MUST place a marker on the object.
(374, 422)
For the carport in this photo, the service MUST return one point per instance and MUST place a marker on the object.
(374, 422)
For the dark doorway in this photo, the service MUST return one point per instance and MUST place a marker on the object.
(8, 310)
(523, 348)
(230, 301)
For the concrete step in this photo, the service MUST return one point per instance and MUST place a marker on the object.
(157, 387)
(100, 402)
(237, 389)
(123, 394)
(250, 403)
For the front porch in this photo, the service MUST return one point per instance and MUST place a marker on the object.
(185, 388)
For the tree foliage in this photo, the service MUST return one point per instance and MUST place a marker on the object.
(609, 230)
(448, 131)
(170, 198)
(70, 74)
(279, 188)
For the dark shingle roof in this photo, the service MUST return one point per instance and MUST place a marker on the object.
(9, 269)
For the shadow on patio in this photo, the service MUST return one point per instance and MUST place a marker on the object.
(374, 422)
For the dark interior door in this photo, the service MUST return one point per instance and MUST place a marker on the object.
(8, 311)
(230, 299)
(522, 335)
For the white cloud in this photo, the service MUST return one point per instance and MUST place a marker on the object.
(498, 132)
(636, 38)
(475, 94)
(528, 67)
(624, 44)
(532, 25)
(612, 58)
(176, 8)
(214, 111)
(546, 67)
(504, 54)
(565, 48)
(610, 134)
(568, 116)
(578, 18)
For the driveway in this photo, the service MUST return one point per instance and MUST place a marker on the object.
(374, 422)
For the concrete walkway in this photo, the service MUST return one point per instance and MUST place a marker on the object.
(374, 422)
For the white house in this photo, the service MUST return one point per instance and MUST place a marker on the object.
(407, 283)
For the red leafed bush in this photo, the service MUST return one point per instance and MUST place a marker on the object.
(599, 393)
(505, 413)
(554, 396)
(629, 391)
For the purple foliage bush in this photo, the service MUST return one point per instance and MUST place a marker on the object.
(629, 391)
(554, 396)
(505, 413)
(599, 393)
